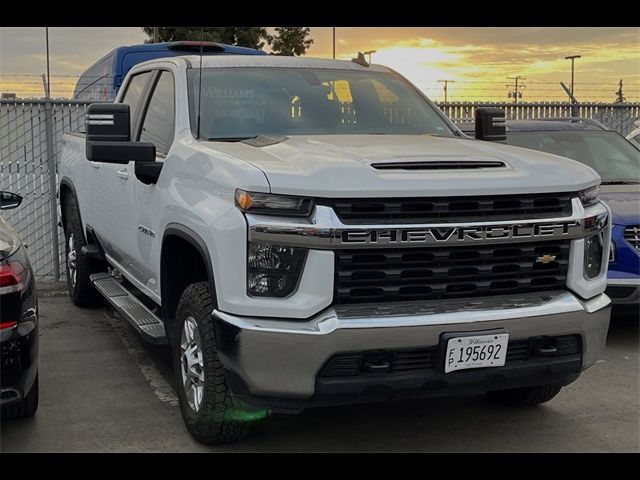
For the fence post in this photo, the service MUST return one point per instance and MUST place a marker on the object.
(51, 162)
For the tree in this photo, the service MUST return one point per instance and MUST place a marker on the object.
(286, 41)
(252, 37)
(290, 41)
(245, 36)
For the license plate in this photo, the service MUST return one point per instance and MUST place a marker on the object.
(479, 351)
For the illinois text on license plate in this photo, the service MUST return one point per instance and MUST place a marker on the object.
(479, 351)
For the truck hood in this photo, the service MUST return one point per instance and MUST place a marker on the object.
(624, 201)
(341, 166)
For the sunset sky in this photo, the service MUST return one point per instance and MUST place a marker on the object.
(477, 59)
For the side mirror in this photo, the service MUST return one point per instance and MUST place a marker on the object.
(491, 125)
(9, 200)
(108, 122)
(108, 136)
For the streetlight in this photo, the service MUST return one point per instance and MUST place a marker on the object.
(573, 59)
(369, 52)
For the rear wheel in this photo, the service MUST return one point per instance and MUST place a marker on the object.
(527, 396)
(210, 413)
(26, 407)
(78, 266)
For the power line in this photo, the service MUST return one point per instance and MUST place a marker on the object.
(446, 85)
(515, 92)
(619, 93)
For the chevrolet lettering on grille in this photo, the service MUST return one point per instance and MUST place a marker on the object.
(323, 233)
(437, 235)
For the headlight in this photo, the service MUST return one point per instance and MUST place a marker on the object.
(590, 196)
(273, 271)
(593, 249)
(269, 204)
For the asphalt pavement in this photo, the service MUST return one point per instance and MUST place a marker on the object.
(102, 389)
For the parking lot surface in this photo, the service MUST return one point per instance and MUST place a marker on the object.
(104, 389)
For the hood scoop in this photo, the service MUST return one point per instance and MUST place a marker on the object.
(439, 165)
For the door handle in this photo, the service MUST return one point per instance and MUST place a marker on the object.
(123, 174)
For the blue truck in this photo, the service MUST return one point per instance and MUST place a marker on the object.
(101, 81)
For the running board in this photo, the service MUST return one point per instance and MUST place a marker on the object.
(133, 310)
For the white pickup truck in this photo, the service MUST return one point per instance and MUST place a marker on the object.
(308, 232)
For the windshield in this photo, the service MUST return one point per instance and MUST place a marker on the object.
(614, 158)
(241, 103)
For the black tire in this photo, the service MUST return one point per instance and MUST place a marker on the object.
(219, 418)
(527, 396)
(82, 293)
(26, 407)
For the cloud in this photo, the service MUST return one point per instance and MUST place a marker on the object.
(424, 55)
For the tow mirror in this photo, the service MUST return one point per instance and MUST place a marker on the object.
(9, 200)
(108, 136)
(491, 125)
(108, 122)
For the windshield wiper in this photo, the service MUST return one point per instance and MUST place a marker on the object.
(230, 139)
(621, 182)
(253, 140)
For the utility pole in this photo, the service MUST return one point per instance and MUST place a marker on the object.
(573, 59)
(619, 93)
(334, 43)
(48, 89)
(369, 52)
(155, 34)
(51, 164)
(516, 86)
(446, 86)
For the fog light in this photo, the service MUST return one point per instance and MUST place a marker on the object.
(273, 271)
(593, 249)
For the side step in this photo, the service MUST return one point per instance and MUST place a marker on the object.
(133, 310)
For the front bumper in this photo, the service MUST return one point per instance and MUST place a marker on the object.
(274, 358)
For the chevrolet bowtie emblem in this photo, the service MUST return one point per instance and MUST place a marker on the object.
(546, 259)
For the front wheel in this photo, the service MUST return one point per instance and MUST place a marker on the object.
(78, 266)
(210, 413)
(527, 396)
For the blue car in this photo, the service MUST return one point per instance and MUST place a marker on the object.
(101, 81)
(617, 160)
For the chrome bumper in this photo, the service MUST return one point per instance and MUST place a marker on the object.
(281, 358)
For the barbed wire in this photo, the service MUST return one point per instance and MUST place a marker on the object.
(536, 82)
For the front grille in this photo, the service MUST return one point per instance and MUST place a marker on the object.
(450, 209)
(632, 235)
(417, 360)
(403, 274)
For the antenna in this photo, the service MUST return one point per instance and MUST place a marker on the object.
(360, 60)
(200, 80)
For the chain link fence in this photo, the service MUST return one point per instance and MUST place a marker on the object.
(31, 130)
